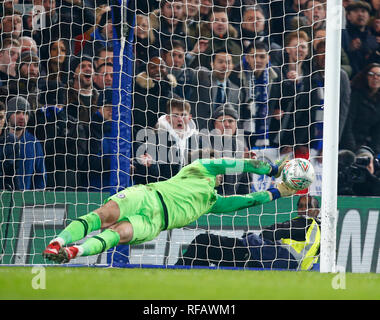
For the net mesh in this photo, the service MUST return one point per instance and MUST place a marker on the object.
(100, 95)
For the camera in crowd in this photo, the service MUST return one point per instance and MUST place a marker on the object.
(356, 169)
(366, 161)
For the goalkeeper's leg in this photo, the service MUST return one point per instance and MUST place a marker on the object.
(104, 217)
(119, 233)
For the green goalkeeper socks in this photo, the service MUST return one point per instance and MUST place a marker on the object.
(100, 243)
(80, 228)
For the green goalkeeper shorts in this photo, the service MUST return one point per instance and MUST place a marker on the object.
(140, 206)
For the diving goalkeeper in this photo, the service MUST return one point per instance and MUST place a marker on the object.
(139, 213)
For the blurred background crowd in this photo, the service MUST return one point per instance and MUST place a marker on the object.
(231, 76)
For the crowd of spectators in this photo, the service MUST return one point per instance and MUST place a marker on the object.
(56, 77)
(262, 61)
(227, 75)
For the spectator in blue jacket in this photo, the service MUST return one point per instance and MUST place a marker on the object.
(31, 165)
(8, 155)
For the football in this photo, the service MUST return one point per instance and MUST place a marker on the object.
(298, 174)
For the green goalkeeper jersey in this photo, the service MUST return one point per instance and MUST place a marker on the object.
(191, 193)
(175, 203)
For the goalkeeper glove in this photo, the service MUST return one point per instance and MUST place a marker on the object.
(278, 167)
(284, 190)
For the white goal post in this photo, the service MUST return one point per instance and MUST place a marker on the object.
(330, 140)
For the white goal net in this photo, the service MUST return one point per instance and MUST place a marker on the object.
(99, 95)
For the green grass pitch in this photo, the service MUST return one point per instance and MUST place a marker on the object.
(181, 284)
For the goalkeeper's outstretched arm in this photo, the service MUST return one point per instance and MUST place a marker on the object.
(238, 202)
(231, 166)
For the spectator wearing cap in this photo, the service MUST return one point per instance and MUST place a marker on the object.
(80, 110)
(8, 155)
(82, 95)
(28, 70)
(369, 154)
(228, 141)
(224, 119)
(101, 143)
(28, 74)
(31, 166)
(357, 40)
